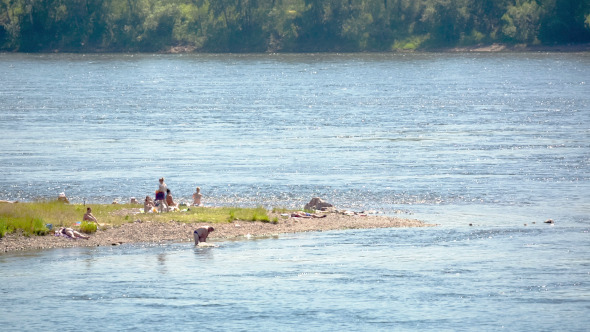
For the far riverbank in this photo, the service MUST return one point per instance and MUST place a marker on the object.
(567, 48)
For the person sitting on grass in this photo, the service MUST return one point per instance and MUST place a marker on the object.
(69, 232)
(170, 201)
(89, 217)
(201, 234)
(148, 204)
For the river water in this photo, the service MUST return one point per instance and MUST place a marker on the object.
(493, 140)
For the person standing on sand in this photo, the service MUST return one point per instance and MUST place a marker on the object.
(161, 195)
(89, 217)
(197, 197)
(201, 234)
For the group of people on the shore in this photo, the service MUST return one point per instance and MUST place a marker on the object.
(164, 202)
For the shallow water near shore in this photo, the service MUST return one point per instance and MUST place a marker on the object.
(434, 279)
(498, 141)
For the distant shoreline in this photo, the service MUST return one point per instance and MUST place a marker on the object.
(497, 48)
(142, 230)
(480, 48)
(483, 48)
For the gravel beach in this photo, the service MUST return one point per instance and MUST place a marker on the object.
(145, 231)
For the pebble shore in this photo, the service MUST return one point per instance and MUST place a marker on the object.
(145, 231)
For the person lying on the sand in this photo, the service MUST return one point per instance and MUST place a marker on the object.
(71, 233)
(300, 214)
(201, 234)
(89, 217)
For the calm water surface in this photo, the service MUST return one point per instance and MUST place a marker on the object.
(447, 279)
(495, 140)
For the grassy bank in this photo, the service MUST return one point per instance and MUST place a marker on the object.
(32, 218)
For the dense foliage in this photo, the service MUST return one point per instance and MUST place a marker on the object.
(286, 25)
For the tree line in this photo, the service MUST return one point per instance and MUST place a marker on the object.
(286, 25)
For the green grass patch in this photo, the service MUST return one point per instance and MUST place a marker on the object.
(32, 217)
(3, 227)
(277, 209)
(215, 215)
(410, 44)
(88, 227)
(29, 226)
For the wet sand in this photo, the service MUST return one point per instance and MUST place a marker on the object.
(145, 231)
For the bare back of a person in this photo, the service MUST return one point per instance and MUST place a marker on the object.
(170, 201)
(197, 197)
(202, 233)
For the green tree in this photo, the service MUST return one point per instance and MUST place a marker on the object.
(189, 27)
(280, 25)
(522, 21)
(444, 21)
(12, 13)
(565, 21)
(238, 25)
(320, 26)
(285, 25)
(486, 16)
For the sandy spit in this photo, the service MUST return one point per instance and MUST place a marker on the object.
(145, 231)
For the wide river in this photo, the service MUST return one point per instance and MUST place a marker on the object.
(499, 141)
